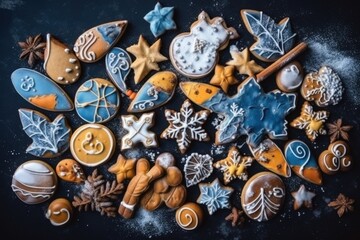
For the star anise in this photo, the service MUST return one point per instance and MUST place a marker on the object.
(236, 217)
(342, 204)
(32, 49)
(337, 130)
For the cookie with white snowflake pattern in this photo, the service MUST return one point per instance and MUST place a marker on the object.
(185, 125)
(197, 168)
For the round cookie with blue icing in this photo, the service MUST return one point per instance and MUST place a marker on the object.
(302, 161)
(97, 101)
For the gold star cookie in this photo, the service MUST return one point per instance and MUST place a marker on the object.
(312, 122)
(241, 60)
(223, 77)
(123, 168)
(302, 197)
(234, 165)
(146, 58)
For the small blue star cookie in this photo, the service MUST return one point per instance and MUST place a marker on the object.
(160, 19)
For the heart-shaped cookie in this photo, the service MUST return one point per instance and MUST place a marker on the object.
(335, 158)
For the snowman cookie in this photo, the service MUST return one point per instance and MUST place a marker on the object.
(195, 53)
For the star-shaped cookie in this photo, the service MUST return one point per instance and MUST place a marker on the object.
(241, 60)
(160, 19)
(138, 131)
(234, 165)
(302, 197)
(312, 122)
(123, 168)
(214, 195)
(146, 58)
(223, 77)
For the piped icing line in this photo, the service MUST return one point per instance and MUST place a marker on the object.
(62, 210)
(83, 45)
(128, 206)
(45, 195)
(191, 218)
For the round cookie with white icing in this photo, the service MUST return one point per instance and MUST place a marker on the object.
(34, 182)
(194, 54)
(336, 158)
(92, 144)
(189, 216)
(59, 212)
(263, 196)
(97, 101)
(290, 77)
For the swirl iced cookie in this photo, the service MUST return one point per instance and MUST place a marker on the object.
(34, 182)
(290, 77)
(92, 144)
(97, 101)
(59, 212)
(194, 54)
(262, 196)
(70, 170)
(336, 158)
(189, 216)
(94, 43)
(324, 87)
(60, 63)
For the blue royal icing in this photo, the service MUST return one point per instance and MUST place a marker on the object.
(160, 19)
(118, 64)
(109, 32)
(297, 153)
(251, 112)
(32, 85)
(97, 101)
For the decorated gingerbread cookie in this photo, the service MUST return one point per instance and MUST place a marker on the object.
(155, 92)
(197, 168)
(40, 90)
(92, 144)
(123, 168)
(34, 182)
(270, 156)
(138, 131)
(302, 161)
(60, 63)
(241, 61)
(147, 58)
(70, 170)
(94, 43)
(224, 77)
(59, 212)
(302, 197)
(160, 19)
(50, 139)
(312, 122)
(189, 216)
(97, 101)
(263, 196)
(234, 165)
(336, 158)
(324, 87)
(214, 196)
(249, 112)
(290, 77)
(273, 39)
(185, 125)
(195, 53)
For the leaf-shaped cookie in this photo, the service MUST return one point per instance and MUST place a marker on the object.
(272, 40)
(50, 139)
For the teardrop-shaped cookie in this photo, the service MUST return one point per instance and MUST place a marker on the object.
(94, 43)
(269, 155)
(61, 63)
(156, 91)
(40, 90)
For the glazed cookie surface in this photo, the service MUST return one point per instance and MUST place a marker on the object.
(189, 216)
(336, 158)
(290, 77)
(94, 43)
(70, 170)
(195, 53)
(160, 19)
(123, 168)
(197, 168)
(50, 139)
(59, 212)
(34, 182)
(60, 63)
(262, 196)
(92, 144)
(97, 101)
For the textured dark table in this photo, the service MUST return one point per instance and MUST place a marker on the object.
(332, 31)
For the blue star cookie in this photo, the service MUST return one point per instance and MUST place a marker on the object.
(160, 19)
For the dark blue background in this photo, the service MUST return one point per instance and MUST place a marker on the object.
(66, 20)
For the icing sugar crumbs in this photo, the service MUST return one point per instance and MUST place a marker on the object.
(323, 51)
(217, 149)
